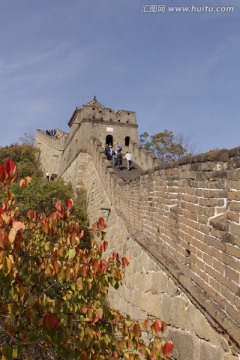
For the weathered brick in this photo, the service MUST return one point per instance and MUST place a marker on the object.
(232, 274)
(218, 265)
(233, 216)
(233, 313)
(234, 206)
(235, 229)
(215, 284)
(233, 195)
(228, 294)
(233, 250)
(212, 202)
(231, 261)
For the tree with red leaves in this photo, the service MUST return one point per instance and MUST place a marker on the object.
(53, 292)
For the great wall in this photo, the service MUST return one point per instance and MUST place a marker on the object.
(179, 223)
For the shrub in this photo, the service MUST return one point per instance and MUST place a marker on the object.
(53, 292)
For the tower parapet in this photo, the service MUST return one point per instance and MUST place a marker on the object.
(108, 125)
(91, 120)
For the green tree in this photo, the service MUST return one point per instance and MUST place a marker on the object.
(166, 146)
(53, 292)
(41, 195)
(25, 156)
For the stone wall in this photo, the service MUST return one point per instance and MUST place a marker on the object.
(147, 290)
(186, 216)
(180, 225)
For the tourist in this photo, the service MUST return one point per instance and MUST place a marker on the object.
(119, 147)
(113, 156)
(106, 150)
(119, 160)
(128, 157)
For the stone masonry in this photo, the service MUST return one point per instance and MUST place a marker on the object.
(179, 223)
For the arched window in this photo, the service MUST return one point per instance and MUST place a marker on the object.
(127, 140)
(109, 140)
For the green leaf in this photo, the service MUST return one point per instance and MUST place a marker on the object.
(71, 254)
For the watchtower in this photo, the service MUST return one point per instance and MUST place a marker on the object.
(108, 125)
(91, 120)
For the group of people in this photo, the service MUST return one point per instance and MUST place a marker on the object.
(117, 157)
(53, 132)
(50, 177)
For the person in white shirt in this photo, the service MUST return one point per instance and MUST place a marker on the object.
(128, 157)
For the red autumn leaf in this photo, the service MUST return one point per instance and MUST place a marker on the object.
(155, 327)
(146, 323)
(115, 256)
(95, 266)
(103, 265)
(167, 349)
(41, 266)
(101, 224)
(69, 204)
(105, 245)
(51, 321)
(4, 241)
(125, 261)
(32, 214)
(100, 248)
(136, 330)
(55, 266)
(58, 206)
(45, 228)
(95, 317)
(83, 270)
(10, 167)
(84, 309)
(5, 205)
(54, 216)
(11, 171)
(94, 229)
(3, 173)
(164, 326)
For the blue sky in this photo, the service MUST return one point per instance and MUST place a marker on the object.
(177, 70)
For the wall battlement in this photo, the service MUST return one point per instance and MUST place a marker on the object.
(184, 215)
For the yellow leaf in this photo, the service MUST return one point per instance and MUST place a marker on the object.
(71, 254)
(5, 218)
(79, 283)
(25, 182)
(12, 235)
(7, 265)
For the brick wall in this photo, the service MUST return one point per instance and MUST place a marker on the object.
(186, 216)
(147, 289)
(182, 220)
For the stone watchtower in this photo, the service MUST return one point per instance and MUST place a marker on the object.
(109, 126)
(91, 120)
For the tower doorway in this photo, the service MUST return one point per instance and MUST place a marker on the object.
(109, 140)
(127, 140)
